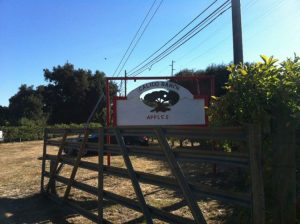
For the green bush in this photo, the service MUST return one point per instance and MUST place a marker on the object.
(31, 131)
(265, 93)
(256, 92)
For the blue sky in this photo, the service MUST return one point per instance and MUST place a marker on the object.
(95, 34)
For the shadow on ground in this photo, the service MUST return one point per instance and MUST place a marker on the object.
(32, 209)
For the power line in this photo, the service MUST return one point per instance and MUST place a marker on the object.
(174, 36)
(250, 4)
(209, 19)
(182, 40)
(140, 36)
(265, 13)
(266, 29)
(213, 47)
(134, 37)
(201, 43)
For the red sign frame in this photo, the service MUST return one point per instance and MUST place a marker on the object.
(170, 78)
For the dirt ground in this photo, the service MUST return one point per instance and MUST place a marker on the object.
(21, 201)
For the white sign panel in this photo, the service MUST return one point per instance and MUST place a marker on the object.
(160, 103)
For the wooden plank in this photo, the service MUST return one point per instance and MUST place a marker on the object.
(182, 181)
(71, 161)
(234, 159)
(100, 174)
(44, 161)
(157, 213)
(130, 132)
(235, 133)
(52, 187)
(130, 203)
(70, 130)
(75, 168)
(55, 130)
(75, 208)
(208, 133)
(180, 128)
(53, 142)
(199, 190)
(138, 150)
(59, 153)
(258, 199)
(134, 180)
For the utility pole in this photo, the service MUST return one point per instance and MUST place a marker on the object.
(172, 68)
(237, 32)
(125, 83)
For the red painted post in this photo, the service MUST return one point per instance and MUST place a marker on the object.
(107, 116)
(213, 86)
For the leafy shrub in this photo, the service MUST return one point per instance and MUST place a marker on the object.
(266, 93)
(31, 131)
(257, 92)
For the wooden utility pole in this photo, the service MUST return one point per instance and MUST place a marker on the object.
(125, 83)
(237, 32)
(172, 68)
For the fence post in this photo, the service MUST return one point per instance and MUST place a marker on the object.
(256, 171)
(297, 143)
(100, 174)
(52, 184)
(44, 160)
(284, 170)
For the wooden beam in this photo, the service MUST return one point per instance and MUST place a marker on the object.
(182, 181)
(100, 174)
(59, 153)
(44, 161)
(133, 177)
(127, 202)
(283, 168)
(258, 198)
(199, 190)
(76, 165)
(233, 159)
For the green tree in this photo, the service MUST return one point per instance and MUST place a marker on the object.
(72, 93)
(203, 87)
(4, 116)
(26, 103)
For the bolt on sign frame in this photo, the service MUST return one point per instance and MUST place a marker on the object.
(196, 80)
